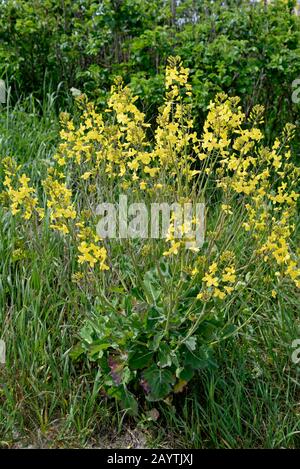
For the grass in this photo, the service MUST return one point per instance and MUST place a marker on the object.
(250, 400)
(29, 129)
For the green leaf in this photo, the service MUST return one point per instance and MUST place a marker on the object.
(97, 347)
(199, 359)
(159, 381)
(76, 352)
(164, 356)
(87, 333)
(126, 398)
(117, 290)
(191, 343)
(139, 357)
(229, 330)
(186, 373)
(151, 287)
(96, 350)
(154, 317)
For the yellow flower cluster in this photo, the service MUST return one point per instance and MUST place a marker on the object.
(117, 146)
(22, 198)
(92, 254)
(218, 283)
(175, 139)
(102, 154)
(90, 251)
(224, 117)
(264, 179)
(181, 235)
(59, 203)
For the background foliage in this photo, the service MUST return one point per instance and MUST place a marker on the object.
(238, 47)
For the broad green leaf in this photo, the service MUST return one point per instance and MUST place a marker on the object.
(159, 381)
(164, 356)
(200, 358)
(139, 357)
(126, 398)
(151, 287)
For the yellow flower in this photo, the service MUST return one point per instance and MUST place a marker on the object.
(59, 204)
(229, 275)
(85, 256)
(173, 249)
(151, 171)
(210, 280)
(219, 294)
(86, 175)
(22, 199)
(213, 268)
(226, 208)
